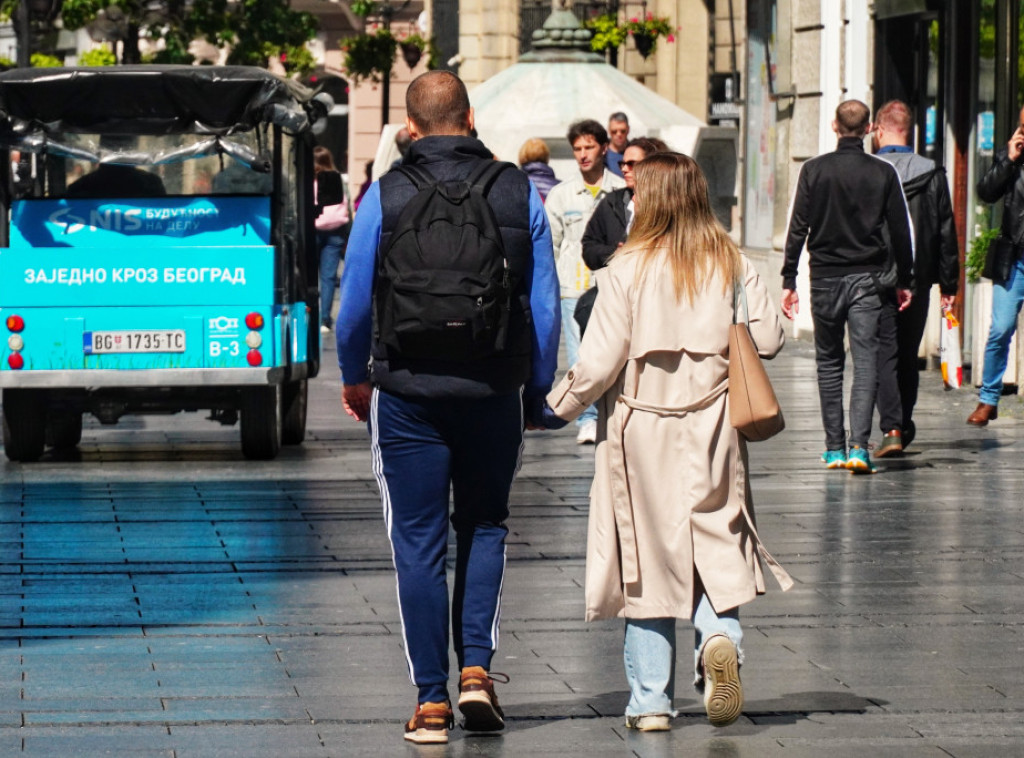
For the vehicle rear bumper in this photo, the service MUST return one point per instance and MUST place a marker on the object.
(192, 377)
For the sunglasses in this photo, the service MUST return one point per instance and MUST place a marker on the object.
(627, 164)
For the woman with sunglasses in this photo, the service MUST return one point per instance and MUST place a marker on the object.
(608, 227)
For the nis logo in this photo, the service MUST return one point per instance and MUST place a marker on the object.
(112, 219)
(223, 325)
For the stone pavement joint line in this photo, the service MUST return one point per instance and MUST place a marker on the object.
(161, 596)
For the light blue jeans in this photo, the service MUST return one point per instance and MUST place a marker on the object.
(571, 330)
(1006, 301)
(650, 655)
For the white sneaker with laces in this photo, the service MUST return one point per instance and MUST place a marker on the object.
(587, 434)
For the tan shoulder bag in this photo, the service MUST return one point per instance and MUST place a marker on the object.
(753, 408)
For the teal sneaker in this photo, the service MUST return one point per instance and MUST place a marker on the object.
(834, 458)
(859, 462)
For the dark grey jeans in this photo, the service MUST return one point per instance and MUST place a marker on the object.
(839, 303)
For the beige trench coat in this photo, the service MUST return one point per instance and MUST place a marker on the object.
(670, 493)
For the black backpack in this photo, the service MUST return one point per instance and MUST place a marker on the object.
(443, 282)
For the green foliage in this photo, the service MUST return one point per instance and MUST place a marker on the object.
(6, 63)
(369, 56)
(256, 30)
(100, 56)
(362, 8)
(607, 34)
(41, 60)
(974, 263)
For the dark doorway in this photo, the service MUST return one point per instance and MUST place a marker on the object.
(910, 65)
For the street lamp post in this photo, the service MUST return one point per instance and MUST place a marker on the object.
(387, 13)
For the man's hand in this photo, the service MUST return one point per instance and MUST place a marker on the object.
(1015, 146)
(790, 304)
(947, 302)
(903, 297)
(355, 399)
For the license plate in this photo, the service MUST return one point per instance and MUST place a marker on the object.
(135, 341)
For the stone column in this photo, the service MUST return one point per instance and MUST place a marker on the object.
(488, 38)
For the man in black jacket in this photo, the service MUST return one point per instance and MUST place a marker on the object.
(936, 261)
(846, 204)
(1003, 180)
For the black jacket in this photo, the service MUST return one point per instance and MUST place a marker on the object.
(936, 251)
(450, 158)
(606, 228)
(1005, 180)
(845, 202)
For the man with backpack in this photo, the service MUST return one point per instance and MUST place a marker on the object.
(447, 342)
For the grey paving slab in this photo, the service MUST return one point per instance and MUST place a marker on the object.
(161, 596)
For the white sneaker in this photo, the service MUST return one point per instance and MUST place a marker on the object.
(324, 329)
(587, 434)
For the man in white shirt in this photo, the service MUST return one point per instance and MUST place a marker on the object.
(569, 206)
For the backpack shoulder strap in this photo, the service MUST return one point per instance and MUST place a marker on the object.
(484, 175)
(419, 176)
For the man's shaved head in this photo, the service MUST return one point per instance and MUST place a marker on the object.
(852, 118)
(437, 103)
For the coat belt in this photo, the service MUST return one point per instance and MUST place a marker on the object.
(621, 501)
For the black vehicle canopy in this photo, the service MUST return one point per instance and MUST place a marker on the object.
(139, 100)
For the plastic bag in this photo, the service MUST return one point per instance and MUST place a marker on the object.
(949, 352)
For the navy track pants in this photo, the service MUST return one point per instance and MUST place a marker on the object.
(424, 448)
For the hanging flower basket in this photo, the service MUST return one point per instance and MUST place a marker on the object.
(646, 31)
(369, 56)
(414, 47)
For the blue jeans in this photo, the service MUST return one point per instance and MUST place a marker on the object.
(1006, 301)
(571, 330)
(649, 653)
(332, 249)
(838, 304)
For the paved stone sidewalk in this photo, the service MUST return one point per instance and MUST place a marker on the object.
(161, 596)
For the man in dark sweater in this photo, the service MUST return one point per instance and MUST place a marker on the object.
(847, 204)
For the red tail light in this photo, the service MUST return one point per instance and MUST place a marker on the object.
(254, 357)
(15, 361)
(254, 320)
(15, 323)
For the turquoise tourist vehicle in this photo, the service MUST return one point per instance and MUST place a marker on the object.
(157, 250)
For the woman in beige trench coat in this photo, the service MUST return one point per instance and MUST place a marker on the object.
(671, 531)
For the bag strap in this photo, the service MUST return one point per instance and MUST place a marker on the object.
(419, 176)
(484, 175)
(739, 294)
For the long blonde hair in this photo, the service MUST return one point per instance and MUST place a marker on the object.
(674, 222)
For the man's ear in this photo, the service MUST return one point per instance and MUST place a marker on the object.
(835, 126)
(414, 131)
(471, 120)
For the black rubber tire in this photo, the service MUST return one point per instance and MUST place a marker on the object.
(260, 410)
(294, 405)
(24, 425)
(63, 430)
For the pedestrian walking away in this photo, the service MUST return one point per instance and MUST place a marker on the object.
(533, 160)
(850, 212)
(443, 349)
(331, 236)
(1003, 180)
(672, 531)
(936, 261)
(569, 206)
